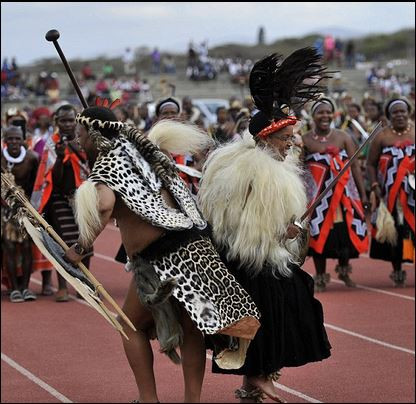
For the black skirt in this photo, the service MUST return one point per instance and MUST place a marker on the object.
(387, 252)
(292, 329)
(338, 244)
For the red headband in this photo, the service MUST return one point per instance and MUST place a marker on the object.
(277, 125)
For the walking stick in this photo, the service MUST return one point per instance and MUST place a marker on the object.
(35, 214)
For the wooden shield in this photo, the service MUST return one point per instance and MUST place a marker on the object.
(84, 290)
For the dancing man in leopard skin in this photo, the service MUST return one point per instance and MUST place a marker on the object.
(181, 290)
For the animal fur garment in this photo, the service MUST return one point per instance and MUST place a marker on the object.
(386, 230)
(155, 294)
(127, 172)
(179, 138)
(87, 214)
(249, 198)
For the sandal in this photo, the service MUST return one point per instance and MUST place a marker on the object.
(28, 295)
(16, 296)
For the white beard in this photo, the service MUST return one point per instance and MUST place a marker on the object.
(249, 198)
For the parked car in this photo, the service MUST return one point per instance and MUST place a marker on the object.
(208, 108)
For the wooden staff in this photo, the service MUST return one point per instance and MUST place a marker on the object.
(52, 36)
(99, 288)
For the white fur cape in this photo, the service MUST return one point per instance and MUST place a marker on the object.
(249, 198)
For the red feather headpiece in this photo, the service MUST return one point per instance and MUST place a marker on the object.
(103, 102)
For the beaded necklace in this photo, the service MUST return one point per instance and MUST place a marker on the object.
(400, 133)
(321, 138)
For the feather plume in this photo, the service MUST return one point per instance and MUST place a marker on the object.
(262, 83)
(115, 103)
(292, 82)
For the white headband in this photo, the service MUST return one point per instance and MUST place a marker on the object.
(397, 102)
(165, 104)
(320, 102)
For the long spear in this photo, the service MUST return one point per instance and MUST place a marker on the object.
(336, 179)
(35, 214)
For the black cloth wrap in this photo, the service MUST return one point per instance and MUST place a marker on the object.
(338, 244)
(292, 329)
(387, 252)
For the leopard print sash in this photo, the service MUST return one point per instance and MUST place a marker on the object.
(124, 170)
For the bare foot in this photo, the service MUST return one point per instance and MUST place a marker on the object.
(267, 387)
(62, 295)
(47, 290)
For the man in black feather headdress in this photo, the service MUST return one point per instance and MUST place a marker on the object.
(250, 192)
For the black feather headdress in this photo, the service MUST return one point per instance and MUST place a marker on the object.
(277, 86)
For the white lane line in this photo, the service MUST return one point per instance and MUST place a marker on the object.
(35, 379)
(278, 385)
(374, 341)
(372, 289)
(296, 393)
(106, 257)
(110, 259)
(209, 356)
(287, 389)
(383, 291)
(334, 327)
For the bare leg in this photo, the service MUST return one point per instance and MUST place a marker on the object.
(398, 276)
(343, 269)
(320, 264)
(265, 385)
(138, 348)
(62, 293)
(26, 263)
(47, 283)
(321, 278)
(10, 250)
(193, 359)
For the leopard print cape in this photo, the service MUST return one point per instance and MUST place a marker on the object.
(210, 294)
(124, 170)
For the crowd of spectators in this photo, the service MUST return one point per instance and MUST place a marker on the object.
(355, 116)
(384, 80)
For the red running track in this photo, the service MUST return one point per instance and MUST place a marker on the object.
(65, 352)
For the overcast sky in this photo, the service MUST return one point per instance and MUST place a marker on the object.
(91, 29)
